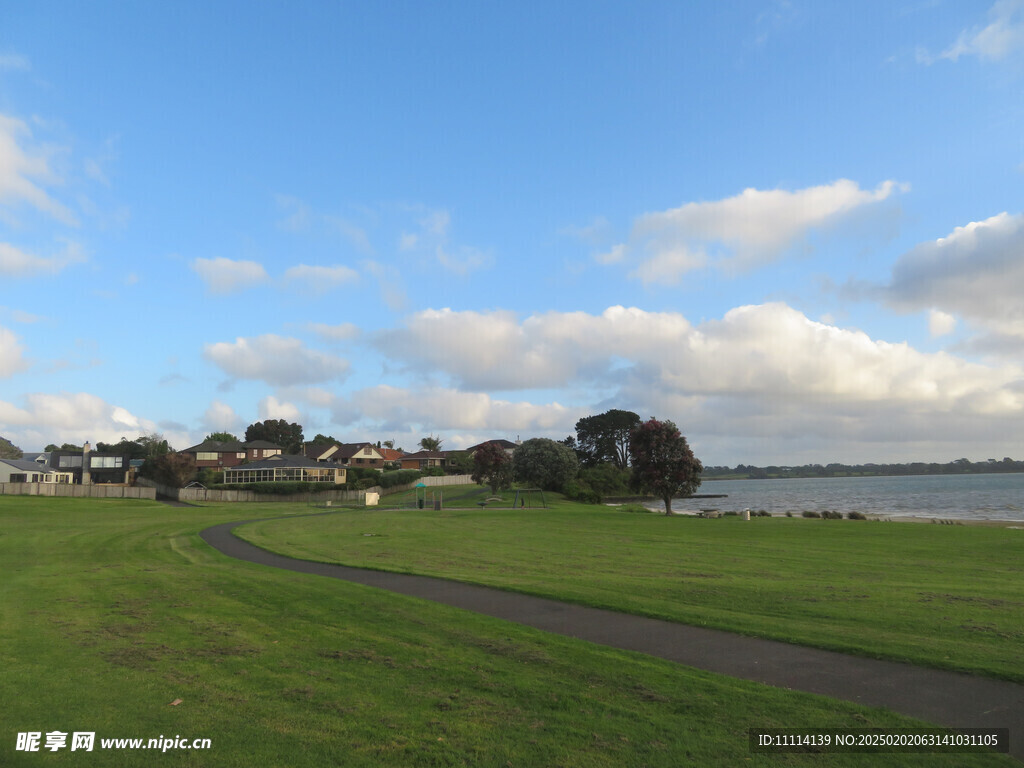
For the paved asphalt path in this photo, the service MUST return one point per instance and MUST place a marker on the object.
(946, 698)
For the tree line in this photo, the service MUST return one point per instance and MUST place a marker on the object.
(611, 454)
(956, 467)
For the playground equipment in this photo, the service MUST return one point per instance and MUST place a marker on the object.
(427, 498)
(529, 498)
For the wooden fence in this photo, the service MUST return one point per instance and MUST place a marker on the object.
(101, 491)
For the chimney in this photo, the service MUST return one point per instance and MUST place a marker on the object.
(86, 474)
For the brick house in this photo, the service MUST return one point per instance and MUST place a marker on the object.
(218, 454)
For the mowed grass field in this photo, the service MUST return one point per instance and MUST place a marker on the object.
(937, 595)
(115, 618)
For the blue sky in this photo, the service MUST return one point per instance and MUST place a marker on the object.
(794, 228)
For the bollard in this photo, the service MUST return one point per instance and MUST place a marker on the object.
(746, 514)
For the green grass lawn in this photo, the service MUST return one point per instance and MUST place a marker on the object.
(112, 610)
(943, 596)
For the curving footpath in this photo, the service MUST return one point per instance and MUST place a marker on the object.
(946, 698)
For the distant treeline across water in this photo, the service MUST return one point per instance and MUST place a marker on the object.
(958, 467)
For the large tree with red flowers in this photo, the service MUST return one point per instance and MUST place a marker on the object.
(663, 464)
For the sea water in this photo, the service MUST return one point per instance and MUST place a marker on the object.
(954, 497)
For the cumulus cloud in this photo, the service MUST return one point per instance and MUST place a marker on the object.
(396, 409)
(12, 359)
(272, 408)
(25, 172)
(763, 369)
(744, 231)
(69, 417)
(320, 279)
(221, 417)
(996, 40)
(940, 323)
(15, 262)
(275, 360)
(975, 272)
(223, 276)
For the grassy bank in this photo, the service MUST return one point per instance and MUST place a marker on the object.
(112, 611)
(943, 596)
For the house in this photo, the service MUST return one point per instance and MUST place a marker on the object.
(357, 455)
(392, 457)
(425, 460)
(286, 468)
(22, 471)
(220, 454)
(508, 445)
(88, 467)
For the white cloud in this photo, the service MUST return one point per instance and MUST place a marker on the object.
(24, 173)
(763, 355)
(341, 332)
(223, 276)
(975, 272)
(272, 408)
(1003, 35)
(613, 256)
(667, 266)
(275, 360)
(69, 417)
(940, 323)
(321, 279)
(12, 359)
(754, 227)
(395, 408)
(15, 262)
(433, 240)
(221, 417)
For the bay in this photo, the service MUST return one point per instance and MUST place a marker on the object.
(954, 497)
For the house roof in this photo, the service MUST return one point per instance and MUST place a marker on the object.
(348, 450)
(282, 461)
(427, 455)
(390, 454)
(215, 446)
(506, 444)
(26, 466)
(227, 446)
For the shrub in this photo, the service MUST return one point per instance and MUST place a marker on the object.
(788, 513)
(366, 482)
(856, 516)
(832, 515)
(763, 513)
(810, 514)
(399, 477)
(732, 514)
(578, 491)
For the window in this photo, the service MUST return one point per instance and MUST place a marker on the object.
(106, 462)
(201, 456)
(240, 455)
(367, 450)
(70, 461)
(19, 478)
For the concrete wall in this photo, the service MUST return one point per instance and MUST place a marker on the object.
(226, 497)
(77, 491)
(223, 497)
